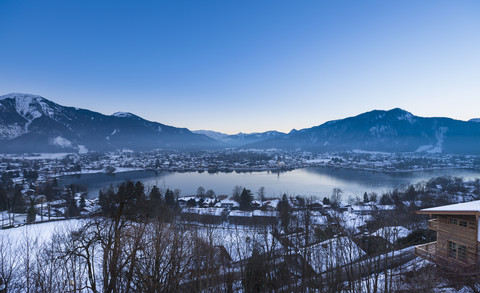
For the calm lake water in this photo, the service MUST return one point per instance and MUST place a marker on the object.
(315, 181)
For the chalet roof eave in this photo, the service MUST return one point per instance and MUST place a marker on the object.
(463, 213)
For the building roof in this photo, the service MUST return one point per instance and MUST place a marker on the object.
(259, 213)
(242, 214)
(464, 208)
(204, 211)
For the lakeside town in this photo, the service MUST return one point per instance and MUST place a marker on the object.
(54, 165)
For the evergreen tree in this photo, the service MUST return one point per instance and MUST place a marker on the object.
(155, 194)
(284, 212)
(410, 193)
(255, 274)
(365, 197)
(191, 203)
(139, 191)
(106, 200)
(3, 199)
(72, 208)
(139, 204)
(326, 201)
(170, 199)
(31, 213)
(17, 202)
(83, 204)
(246, 200)
(156, 202)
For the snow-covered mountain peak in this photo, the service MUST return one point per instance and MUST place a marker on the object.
(29, 106)
(403, 115)
(32, 123)
(123, 114)
(20, 96)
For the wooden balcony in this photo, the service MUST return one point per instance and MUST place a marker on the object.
(433, 224)
(429, 252)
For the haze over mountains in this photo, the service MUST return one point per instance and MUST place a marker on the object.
(30, 123)
(241, 139)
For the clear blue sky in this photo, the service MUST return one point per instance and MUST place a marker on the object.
(245, 66)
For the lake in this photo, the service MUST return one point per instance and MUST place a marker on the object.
(313, 181)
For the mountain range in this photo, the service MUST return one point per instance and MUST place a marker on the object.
(241, 139)
(395, 130)
(31, 123)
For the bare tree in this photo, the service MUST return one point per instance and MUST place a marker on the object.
(8, 263)
(336, 196)
(201, 192)
(261, 193)
(237, 191)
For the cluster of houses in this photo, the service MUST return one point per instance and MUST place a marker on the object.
(227, 210)
(236, 217)
(62, 164)
(224, 210)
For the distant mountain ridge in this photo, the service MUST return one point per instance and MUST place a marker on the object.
(395, 130)
(31, 123)
(241, 139)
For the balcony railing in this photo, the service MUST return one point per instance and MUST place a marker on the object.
(433, 224)
(429, 252)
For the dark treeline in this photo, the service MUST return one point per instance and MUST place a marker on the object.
(134, 202)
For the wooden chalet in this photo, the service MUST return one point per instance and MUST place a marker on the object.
(458, 236)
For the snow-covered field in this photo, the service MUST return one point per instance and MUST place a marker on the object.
(39, 233)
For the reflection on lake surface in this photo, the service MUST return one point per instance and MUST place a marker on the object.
(314, 181)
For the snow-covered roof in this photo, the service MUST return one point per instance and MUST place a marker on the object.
(386, 207)
(204, 211)
(271, 203)
(472, 207)
(240, 214)
(259, 213)
(229, 202)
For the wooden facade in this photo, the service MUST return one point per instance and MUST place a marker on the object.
(457, 238)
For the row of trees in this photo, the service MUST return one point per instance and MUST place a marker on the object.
(134, 202)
